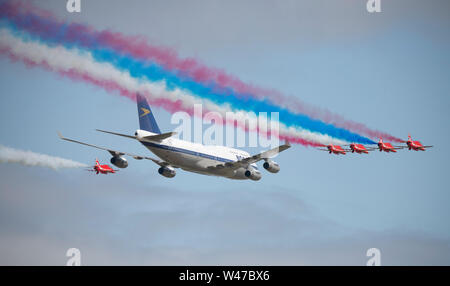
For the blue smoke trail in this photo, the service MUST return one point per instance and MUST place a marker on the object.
(218, 95)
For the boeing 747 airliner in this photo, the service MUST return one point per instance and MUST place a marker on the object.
(192, 157)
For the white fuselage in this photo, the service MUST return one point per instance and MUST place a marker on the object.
(194, 157)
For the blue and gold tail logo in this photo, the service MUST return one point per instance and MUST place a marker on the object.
(145, 111)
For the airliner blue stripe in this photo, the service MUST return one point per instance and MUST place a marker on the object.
(185, 151)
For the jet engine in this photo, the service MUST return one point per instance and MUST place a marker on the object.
(167, 172)
(119, 161)
(253, 175)
(271, 166)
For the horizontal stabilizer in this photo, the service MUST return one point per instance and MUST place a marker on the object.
(118, 134)
(159, 137)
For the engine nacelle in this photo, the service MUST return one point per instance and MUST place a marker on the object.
(119, 162)
(167, 172)
(253, 175)
(271, 166)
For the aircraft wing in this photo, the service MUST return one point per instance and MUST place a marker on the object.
(252, 159)
(399, 147)
(404, 147)
(157, 137)
(368, 149)
(322, 149)
(118, 134)
(117, 153)
(371, 148)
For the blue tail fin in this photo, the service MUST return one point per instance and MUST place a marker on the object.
(146, 120)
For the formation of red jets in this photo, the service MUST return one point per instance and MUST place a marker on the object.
(332, 149)
(101, 169)
(382, 146)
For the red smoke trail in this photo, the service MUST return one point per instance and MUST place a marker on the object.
(138, 47)
(169, 105)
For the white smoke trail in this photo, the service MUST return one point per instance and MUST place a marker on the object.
(28, 158)
(61, 59)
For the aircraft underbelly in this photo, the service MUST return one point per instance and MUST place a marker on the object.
(191, 163)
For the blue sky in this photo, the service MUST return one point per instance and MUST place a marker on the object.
(389, 71)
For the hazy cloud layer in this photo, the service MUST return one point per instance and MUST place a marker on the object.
(208, 25)
(115, 222)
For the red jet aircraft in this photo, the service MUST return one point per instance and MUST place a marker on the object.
(415, 145)
(387, 147)
(102, 169)
(358, 148)
(382, 146)
(335, 149)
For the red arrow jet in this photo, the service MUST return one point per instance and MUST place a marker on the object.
(333, 149)
(358, 148)
(102, 169)
(387, 147)
(415, 145)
